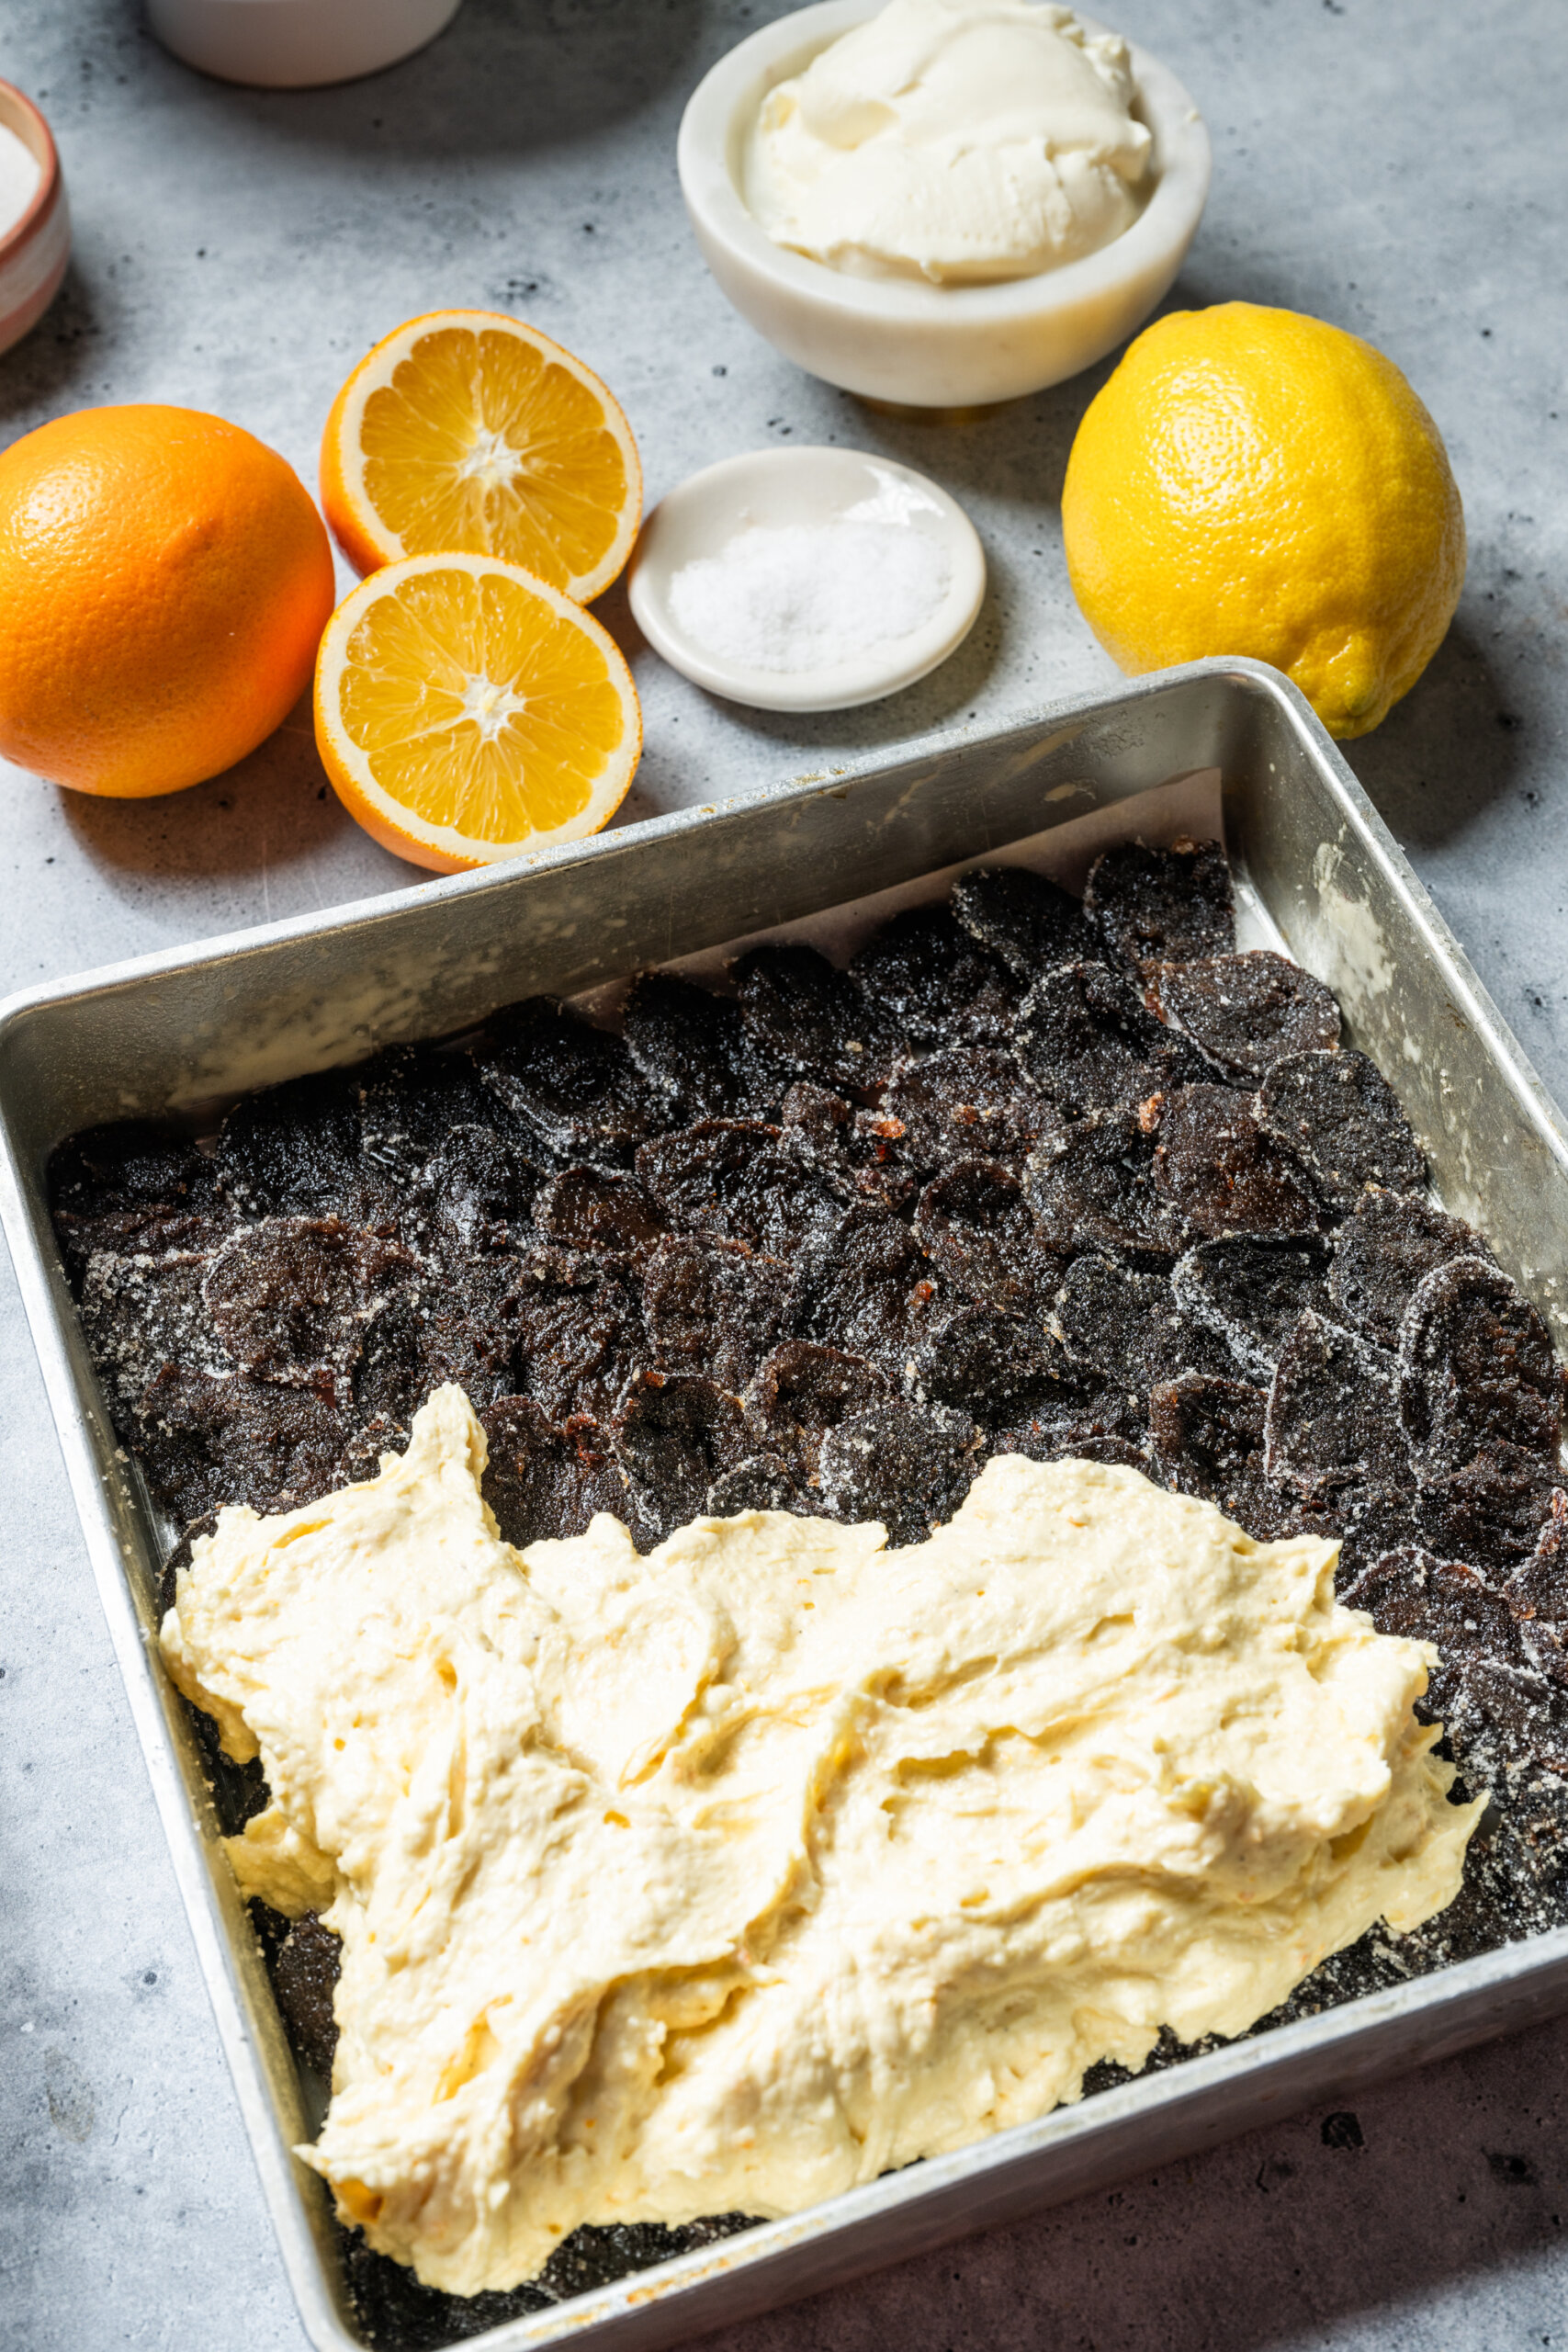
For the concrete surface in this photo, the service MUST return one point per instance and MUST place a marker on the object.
(1395, 166)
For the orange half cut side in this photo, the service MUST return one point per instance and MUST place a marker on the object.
(467, 430)
(466, 712)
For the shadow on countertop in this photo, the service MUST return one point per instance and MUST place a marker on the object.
(506, 76)
(1458, 741)
(1378, 2218)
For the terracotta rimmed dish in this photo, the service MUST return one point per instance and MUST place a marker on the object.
(931, 347)
(35, 249)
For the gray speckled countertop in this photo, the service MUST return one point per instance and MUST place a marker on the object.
(1392, 165)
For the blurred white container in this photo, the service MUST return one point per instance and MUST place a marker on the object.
(295, 44)
(35, 249)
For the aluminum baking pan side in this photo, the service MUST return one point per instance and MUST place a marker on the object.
(171, 1030)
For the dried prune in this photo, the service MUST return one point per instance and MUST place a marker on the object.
(476, 1188)
(762, 1481)
(1476, 1364)
(733, 1179)
(1369, 1521)
(968, 1102)
(1387, 1246)
(1129, 1327)
(579, 1335)
(542, 1481)
(576, 1087)
(908, 1466)
(294, 1148)
(1092, 1187)
(934, 984)
(203, 1442)
(814, 1020)
(141, 1312)
(1170, 905)
(1412, 1593)
(290, 1297)
(859, 1148)
(128, 1164)
(994, 1366)
(1538, 1586)
(1079, 1441)
(1340, 1114)
(851, 1288)
(437, 1330)
(675, 1435)
(1029, 922)
(979, 1234)
(1333, 1412)
(1252, 1293)
(693, 1046)
(802, 1389)
(1492, 1511)
(1208, 1436)
(590, 1208)
(1085, 1041)
(713, 1307)
(412, 1099)
(1245, 1011)
(304, 1970)
(1222, 1175)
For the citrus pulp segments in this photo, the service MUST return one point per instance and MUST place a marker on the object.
(468, 712)
(467, 429)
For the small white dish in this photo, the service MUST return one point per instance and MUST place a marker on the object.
(295, 44)
(931, 347)
(767, 488)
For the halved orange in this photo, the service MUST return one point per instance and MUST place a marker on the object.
(467, 711)
(467, 429)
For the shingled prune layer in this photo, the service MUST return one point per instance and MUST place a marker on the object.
(824, 1245)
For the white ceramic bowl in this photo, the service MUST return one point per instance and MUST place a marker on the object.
(35, 249)
(295, 44)
(769, 487)
(930, 347)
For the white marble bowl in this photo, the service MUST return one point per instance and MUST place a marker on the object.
(930, 347)
(35, 249)
(769, 487)
(295, 44)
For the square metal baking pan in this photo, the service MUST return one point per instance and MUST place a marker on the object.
(185, 1032)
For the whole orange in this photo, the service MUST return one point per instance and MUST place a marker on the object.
(164, 580)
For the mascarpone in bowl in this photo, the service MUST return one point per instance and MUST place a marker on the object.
(942, 203)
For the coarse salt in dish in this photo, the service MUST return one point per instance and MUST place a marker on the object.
(806, 579)
(801, 596)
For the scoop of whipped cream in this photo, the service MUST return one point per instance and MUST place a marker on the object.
(955, 141)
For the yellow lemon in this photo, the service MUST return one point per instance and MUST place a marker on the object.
(1251, 481)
